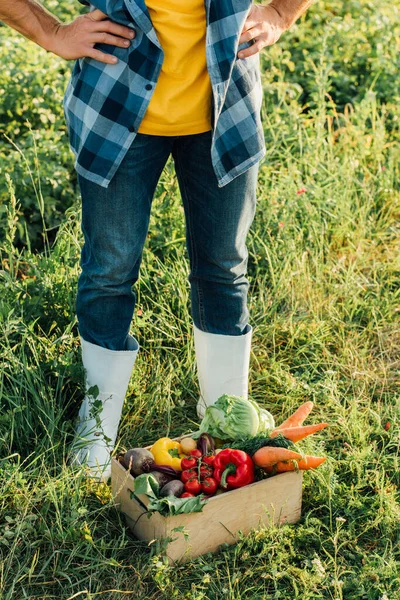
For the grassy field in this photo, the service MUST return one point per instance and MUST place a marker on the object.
(324, 269)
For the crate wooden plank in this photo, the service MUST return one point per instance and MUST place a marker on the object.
(135, 512)
(264, 503)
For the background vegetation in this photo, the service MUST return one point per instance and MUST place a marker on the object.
(324, 270)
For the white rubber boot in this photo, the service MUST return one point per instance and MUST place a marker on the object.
(222, 365)
(99, 416)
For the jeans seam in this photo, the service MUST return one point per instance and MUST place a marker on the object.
(185, 198)
(201, 305)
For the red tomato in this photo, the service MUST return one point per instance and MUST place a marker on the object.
(208, 460)
(188, 475)
(205, 471)
(196, 453)
(187, 495)
(193, 486)
(188, 463)
(209, 486)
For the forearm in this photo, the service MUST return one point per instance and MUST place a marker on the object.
(290, 10)
(31, 19)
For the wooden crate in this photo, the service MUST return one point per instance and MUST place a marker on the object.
(264, 503)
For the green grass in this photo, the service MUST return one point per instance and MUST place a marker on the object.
(324, 269)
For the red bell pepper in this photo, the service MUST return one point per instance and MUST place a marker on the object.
(233, 469)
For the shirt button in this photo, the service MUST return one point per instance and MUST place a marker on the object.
(148, 86)
(131, 128)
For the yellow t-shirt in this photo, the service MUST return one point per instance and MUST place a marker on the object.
(181, 101)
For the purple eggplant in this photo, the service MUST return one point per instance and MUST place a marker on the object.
(206, 444)
(167, 470)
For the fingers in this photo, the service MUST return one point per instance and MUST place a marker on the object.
(250, 22)
(263, 27)
(253, 49)
(97, 15)
(116, 29)
(106, 38)
(252, 18)
(250, 34)
(102, 23)
(261, 39)
(102, 56)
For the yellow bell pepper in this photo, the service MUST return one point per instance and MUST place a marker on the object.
(167, 452)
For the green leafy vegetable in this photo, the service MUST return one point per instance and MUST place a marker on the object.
(148, 485)
(267, 422)
(235, 417)
(170, 505)
(252, 444)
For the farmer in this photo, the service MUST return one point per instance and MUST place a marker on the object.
(154, 78)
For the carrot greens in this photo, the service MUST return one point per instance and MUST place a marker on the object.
(252, 444)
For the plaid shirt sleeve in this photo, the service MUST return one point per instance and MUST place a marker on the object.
(105, 104)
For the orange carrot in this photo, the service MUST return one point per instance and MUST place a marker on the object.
(295, 434)
(298, 416)
(268, 456)
(306, 463)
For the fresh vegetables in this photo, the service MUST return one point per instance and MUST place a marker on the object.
(291, 430)
(138, 461)
(233, 469)
(188, 463)
(209, 486)
(205, 471)
(205, 445)
(168, 505)
(161, 478)
(183, 475)
(193, 486)
(267, 456)
(252, 444)
(167, 452)
(298, 417)
(295, 434)
(196, 453)
(173, 488)
(167, 470)
(188, 444)
(188, 474)
(197, 469)
(233, 417)
(304, 464)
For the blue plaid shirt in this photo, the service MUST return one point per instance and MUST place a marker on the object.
(104, 104)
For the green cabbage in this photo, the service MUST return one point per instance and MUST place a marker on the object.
(267, 422)
(235, 417)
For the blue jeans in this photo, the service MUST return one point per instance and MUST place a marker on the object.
(115, 222)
